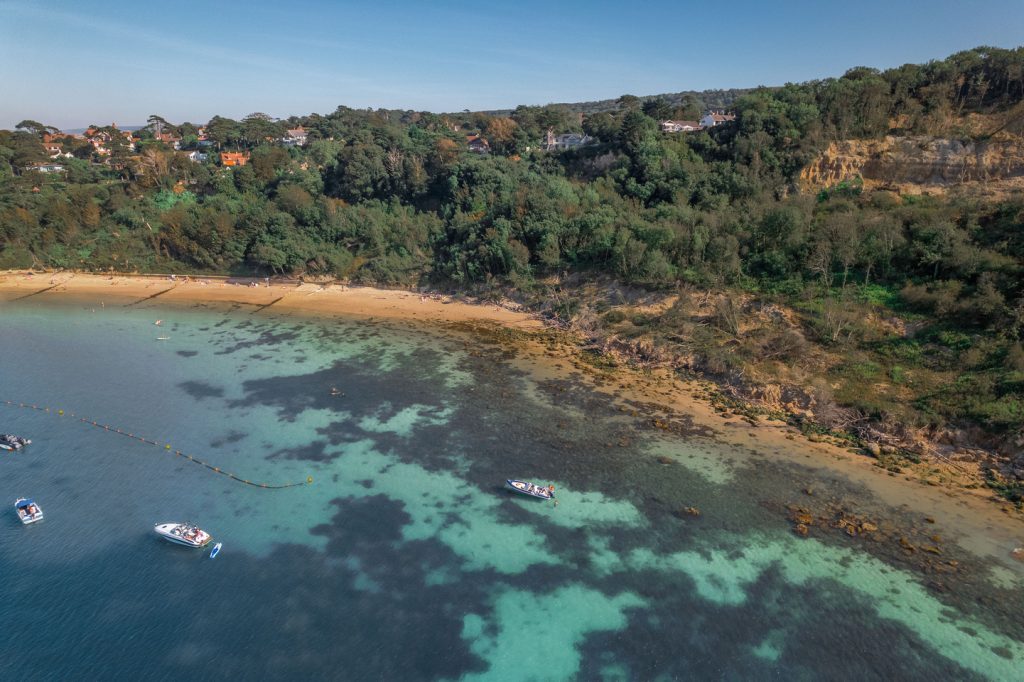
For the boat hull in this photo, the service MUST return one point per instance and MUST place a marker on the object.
(14, 443)
(166, 531)
(24, 515)
(530, 489)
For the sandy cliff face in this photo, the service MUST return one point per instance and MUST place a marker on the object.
(913, 165)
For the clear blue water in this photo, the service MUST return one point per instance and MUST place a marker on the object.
(405, 559)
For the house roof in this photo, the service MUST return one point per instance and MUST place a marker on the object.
(680, 125)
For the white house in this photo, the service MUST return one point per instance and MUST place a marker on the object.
(680, 126)
(714, 118)
(295, 137)
(197, 157)
(47, 168)
(554, 142)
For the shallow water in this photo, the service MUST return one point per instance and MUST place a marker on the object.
(405, 559)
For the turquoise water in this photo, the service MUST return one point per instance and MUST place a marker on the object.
(405, 559)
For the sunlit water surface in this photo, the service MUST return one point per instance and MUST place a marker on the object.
(405, 559)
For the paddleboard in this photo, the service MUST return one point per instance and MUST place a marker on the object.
(215, 551)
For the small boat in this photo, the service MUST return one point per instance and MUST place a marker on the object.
(8, 441)
(532, 489)
(187, 534)
(28, 510)
(216, 550)
(162, 338)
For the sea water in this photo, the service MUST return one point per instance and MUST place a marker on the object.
(405, 558)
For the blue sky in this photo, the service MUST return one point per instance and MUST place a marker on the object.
(73, 63)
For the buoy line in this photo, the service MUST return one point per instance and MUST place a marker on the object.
(166, 447)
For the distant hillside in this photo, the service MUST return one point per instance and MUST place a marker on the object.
(80, 131)
(703, 100)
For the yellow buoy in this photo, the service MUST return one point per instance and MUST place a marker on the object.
(309, 479)
(60, 412)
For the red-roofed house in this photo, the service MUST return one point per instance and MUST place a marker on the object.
(478, 144)
(169, 139)
(234, 158)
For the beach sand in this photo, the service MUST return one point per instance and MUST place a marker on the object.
(974, 519)
(323, 299)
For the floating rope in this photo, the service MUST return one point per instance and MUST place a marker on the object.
(166, 446)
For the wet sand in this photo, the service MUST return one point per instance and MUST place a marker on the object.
(973, 519)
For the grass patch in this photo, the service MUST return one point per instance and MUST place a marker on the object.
(883, 295)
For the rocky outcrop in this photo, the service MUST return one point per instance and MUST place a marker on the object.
(912, 165)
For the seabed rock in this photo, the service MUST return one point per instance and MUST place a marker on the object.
(803, 519)
(687, 511)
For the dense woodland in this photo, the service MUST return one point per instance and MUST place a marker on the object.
(395, 197)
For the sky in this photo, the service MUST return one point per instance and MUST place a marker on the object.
(71, 63)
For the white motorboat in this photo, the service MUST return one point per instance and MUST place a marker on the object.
(28, 510)
(187, 534)
(8, 441)
(532, 489)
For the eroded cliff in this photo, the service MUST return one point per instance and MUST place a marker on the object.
(917, 164)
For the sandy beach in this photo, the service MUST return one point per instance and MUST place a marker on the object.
(324, 299)
(973, 518)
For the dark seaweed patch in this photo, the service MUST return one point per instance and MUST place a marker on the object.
(201, 389)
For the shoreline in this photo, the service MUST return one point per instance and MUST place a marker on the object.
(987, 530)
(338, 299)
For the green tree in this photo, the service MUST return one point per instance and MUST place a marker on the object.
(36, 128)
